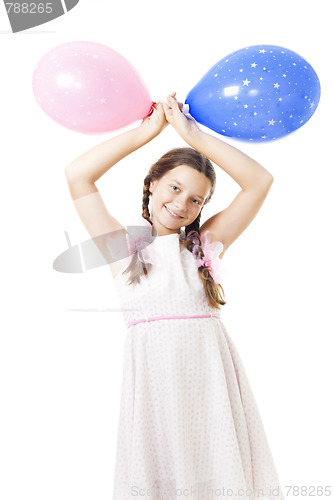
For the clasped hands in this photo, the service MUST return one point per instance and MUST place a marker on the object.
(164, 115)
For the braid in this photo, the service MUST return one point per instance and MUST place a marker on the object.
(195, 226)
(145, 198)
(214, 295)
(136, 267)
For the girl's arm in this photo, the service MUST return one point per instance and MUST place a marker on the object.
(253, 178)
(83, 172)
(91, 165)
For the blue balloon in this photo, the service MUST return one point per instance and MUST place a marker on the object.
(258, 94)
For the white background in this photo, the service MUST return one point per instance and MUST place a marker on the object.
(60, 370)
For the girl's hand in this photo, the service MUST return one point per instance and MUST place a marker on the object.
(174, 115)
(156, 122)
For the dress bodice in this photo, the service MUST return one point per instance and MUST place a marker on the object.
(171, 287)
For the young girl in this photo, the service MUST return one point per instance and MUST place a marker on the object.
(189, 423)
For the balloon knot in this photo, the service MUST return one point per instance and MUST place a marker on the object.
(151, 111)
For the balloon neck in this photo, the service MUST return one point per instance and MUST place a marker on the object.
(151, 111)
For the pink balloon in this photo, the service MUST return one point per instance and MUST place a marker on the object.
(89, 88)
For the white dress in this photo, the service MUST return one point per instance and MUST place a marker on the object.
(189, 425)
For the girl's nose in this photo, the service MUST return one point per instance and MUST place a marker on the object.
(180, 205)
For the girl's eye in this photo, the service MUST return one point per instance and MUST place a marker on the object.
(195, 201)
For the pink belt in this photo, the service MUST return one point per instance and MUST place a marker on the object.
(156, 318)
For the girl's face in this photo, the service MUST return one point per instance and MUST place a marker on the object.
(177, 198)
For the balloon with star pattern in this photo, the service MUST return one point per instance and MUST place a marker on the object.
(259, 93)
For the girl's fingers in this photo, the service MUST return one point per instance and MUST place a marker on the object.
(174, 103)
(172, 99)
(166, 107)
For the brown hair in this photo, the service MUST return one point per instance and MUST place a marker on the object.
(171, 159)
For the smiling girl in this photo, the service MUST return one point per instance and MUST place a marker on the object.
(188, 419)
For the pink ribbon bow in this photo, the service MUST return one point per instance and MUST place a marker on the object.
(141, 243)
(211, 251)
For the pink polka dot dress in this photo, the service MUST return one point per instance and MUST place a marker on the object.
(189, 425)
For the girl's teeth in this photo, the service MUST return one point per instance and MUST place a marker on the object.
(173, 213)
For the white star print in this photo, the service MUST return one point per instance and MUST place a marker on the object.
(253, 65)
(241, 70)
(246, 106)
(312, 104)
(284, 75)
(276, 85)
(262, 51)
(271, 122)
(246, 82)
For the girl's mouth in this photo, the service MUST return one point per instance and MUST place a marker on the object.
(173, 215)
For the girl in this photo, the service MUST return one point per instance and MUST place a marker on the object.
(189, 423)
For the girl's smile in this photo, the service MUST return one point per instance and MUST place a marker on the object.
(173, 214)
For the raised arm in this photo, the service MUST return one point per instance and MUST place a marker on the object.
(252, 177)
(84, 171)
